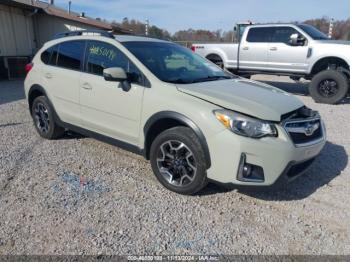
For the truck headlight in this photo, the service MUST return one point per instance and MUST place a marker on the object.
(244, 125)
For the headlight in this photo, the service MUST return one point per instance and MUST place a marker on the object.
(244, 125)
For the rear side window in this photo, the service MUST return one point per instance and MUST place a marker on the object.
(49, 56)
(71, 54)
(259, 35)
(54, 54)
(45, 56)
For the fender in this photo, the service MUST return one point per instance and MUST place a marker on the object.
(319, 59)
(185, 121)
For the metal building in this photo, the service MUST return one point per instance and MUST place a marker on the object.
(25, 25)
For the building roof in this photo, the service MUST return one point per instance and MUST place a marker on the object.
(134, 38)
(59, 12)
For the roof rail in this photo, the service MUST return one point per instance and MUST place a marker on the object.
(84, 32)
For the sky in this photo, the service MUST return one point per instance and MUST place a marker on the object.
(175, 15)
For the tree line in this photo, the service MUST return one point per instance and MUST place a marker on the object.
(341, 30)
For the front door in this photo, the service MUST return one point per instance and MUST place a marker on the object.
(282, 56)
(105, 107)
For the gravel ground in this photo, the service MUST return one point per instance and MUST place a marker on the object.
(80, 196)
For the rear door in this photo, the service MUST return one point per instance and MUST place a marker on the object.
(282, 56)
(254, 49)
(105, 107)
(61, 78)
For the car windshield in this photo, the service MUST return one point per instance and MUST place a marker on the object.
(175, 64)
(313, 32)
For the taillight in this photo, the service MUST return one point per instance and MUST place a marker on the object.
(193, 48)
(28, 67)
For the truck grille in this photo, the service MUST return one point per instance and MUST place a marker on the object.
(304, 131)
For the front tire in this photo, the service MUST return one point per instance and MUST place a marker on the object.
(178, 161)
(42, 114)
(329, 87)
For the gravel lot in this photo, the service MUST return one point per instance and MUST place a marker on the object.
(80, 196)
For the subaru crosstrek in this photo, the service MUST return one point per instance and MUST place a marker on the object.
(193, 121)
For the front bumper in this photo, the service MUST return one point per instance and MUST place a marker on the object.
(279, 158)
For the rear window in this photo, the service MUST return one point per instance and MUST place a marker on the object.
(70, 55)
(259, 35)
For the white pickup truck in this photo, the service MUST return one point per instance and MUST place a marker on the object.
(295, 50)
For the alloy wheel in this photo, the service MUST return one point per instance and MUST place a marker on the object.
(41, 115)
(176, 163)
(328, 88)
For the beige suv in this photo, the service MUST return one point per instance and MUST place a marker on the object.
(193, 121)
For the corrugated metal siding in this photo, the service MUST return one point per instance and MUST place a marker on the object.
(16, 32)
(48, 26)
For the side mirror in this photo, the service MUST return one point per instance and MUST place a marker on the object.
(115, 74)
(296, 40)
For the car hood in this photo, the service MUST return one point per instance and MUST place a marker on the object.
(245, 96)
(333, 42)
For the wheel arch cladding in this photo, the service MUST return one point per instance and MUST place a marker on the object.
(162, 121)
(34, 92)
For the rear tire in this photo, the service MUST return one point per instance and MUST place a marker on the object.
(42, 114)
(329, 87)
(178, 161)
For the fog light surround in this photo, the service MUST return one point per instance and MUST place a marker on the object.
(248, 172)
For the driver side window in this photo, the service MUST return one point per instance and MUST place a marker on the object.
(102, 55)
(283, 34)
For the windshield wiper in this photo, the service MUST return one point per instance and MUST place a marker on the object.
(211, 78)
(322, 38)
(178, 81)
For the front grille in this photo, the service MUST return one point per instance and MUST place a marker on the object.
(302, 138)
(304, 131)
(297, 169)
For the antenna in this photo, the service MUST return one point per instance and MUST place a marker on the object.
(146, 27)
(331, 25)
(69, 7)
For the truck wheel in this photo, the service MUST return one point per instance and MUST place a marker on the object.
(329, 87)
(178, 161)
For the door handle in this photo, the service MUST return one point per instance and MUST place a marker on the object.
(87, 86)
(273, 48)
(245, 48)
(48, 75)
